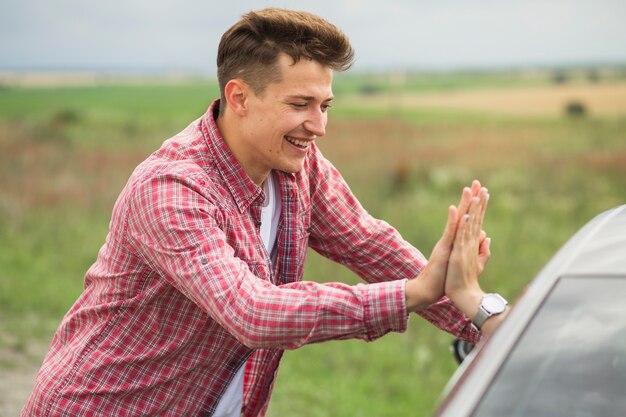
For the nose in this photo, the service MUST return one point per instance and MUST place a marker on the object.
(316, 122)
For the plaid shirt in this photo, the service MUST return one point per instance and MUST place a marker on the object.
(183, 292)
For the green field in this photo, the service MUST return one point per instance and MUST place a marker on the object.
(65, 153)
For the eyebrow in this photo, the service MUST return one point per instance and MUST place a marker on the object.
(307, 98)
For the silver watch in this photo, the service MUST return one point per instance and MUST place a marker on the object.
(490, 305)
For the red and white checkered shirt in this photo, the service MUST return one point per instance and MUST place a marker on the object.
(183, 292)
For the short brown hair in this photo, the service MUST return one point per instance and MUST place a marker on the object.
(250, 48)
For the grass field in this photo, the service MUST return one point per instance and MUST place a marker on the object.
(406, 149)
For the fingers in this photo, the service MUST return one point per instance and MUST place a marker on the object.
(475, 187)
(466, 197)
(477, 213)
(484, 200)
(444, 245)
(484, 249)
(478, 208)
(450, 230)
(470, 227)
(470, 215)
(484, 253)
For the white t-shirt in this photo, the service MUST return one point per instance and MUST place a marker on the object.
(270, 214)
(232, 400)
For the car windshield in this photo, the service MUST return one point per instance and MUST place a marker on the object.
(571, 359)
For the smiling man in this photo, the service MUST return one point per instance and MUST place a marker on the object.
(275, 128)
(198, 288)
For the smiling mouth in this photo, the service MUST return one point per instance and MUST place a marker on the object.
(302, 144)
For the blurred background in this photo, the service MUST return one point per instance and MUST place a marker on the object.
(528, 96)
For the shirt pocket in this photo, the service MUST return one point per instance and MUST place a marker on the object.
(301, 244)
(303, 227)
(243, 237)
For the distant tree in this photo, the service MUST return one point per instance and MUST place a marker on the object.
(575, 109)
(560, 77)
(400, 175)
(370, 89)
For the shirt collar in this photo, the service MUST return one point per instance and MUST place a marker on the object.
(240, 185)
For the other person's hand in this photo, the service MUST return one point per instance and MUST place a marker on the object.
(429, 286)
(470, 251)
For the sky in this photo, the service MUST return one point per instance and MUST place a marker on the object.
(182, 35)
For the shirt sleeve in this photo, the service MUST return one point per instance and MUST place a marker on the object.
(176, 230)
(342, 230)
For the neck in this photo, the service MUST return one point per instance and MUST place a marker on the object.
(232, 137)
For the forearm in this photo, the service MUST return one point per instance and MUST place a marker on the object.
(493, 322)
(262, 315)
(314, 312)
(420, 293)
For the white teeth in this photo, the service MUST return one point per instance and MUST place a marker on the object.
(300, 143)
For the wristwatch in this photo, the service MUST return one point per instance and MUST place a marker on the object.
(490, 305)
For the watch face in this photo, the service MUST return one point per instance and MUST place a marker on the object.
(493, 303)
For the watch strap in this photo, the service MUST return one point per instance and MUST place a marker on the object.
(481, 316)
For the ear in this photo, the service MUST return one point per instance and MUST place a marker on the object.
(236, 93)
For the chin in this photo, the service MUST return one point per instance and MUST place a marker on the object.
(292, 168)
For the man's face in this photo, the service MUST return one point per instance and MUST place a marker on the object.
(282, 123)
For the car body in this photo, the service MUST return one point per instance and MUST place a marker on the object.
(562, 349)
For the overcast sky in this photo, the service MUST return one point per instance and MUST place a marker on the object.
(420, 34)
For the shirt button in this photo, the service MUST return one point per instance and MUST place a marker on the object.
(204, 261)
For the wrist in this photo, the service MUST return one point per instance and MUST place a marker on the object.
(491, 311)
(468, 301)
(419, 295)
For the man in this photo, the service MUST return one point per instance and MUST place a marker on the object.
(198, 288)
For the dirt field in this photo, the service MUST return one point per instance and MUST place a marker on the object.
(19, 365)
(599, 100)
(17, 383)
